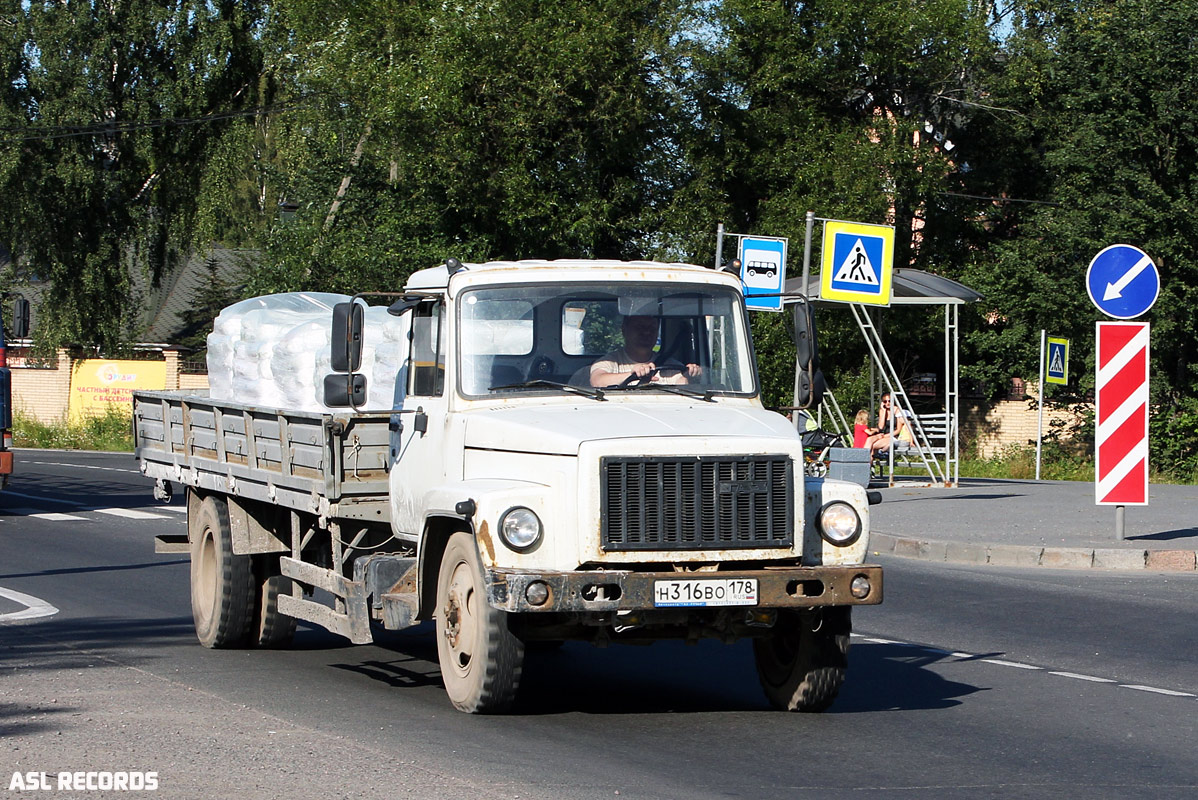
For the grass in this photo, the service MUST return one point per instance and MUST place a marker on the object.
(113, 432)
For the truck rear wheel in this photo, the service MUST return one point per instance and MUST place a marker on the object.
(802, 662)
(273, 629)
(222, 584)
(481, 659)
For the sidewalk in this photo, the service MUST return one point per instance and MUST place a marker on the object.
(1037, 524)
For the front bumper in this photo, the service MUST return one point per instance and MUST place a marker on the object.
(777, 587)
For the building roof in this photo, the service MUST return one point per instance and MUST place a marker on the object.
(166, 305)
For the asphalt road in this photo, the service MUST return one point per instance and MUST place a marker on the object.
(967, 682)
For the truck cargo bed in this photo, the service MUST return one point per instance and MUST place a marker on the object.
(330, 464)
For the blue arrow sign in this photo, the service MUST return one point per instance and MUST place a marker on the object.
(1122, 281)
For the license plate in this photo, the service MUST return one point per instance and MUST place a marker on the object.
(706, 592)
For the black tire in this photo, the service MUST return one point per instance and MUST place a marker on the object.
(481, 659)
(802, 662)
(274, 630)
(222, 584)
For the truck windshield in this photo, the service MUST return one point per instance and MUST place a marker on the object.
(680, 338)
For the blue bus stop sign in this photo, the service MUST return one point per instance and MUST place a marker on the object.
(1122, 281)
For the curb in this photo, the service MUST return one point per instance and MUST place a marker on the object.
(1013, 555)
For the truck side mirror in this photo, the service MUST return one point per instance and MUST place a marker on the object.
(809, 380)
(345, 390)
(20, 318)
(346, 341)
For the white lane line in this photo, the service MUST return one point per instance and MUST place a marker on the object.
(128, 513)
(176, 509)
(44, 499)
(1081, 677)
(34, 607)
(1019, 665)
(81, 466)
(1014, 664)
(1154, 690)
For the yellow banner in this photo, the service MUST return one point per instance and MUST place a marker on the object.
(98, 385)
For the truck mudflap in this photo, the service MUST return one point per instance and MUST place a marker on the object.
(783, 587)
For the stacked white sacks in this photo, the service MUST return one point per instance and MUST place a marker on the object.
(273, 351)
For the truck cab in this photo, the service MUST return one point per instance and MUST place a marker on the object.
(666, 504)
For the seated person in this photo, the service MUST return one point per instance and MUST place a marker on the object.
(636, 358)
(863, 435)
(901, 438)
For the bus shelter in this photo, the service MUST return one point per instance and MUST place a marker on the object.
(935, 446)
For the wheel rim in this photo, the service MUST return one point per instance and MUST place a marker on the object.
(461, 620)
(205, 577)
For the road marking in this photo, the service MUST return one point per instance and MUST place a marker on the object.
(1080, 677)
(34, 607)
(128, 513)
(43, 498)
(53, 516)
(56, 516)
(81, 466)
(1014, 664)
(1154, 690)
(176, 509)
(1019, 665)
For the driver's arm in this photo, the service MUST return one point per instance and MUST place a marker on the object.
(606, 373)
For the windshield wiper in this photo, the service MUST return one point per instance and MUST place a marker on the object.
(596, 394)
(674, 388)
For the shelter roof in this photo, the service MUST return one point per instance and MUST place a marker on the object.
(909, 287)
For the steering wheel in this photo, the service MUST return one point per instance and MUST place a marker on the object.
(636, 380)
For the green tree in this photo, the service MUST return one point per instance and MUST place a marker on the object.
(496, 130)
(109, 116)
(853, 110)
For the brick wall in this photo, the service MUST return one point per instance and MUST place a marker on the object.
(1009, 422)
(43, 393)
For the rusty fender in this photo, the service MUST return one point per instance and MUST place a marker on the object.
(779, 587)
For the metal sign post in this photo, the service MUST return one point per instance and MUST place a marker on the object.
(1040, 403)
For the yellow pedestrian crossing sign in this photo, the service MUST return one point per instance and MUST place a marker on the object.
(1057, 369)
(858, 259)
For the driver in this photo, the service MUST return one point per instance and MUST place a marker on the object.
(635, 358)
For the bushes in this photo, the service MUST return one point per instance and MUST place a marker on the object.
(113, 431)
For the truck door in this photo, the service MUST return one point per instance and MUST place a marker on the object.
(419, 442)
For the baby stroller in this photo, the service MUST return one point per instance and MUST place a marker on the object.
(816, 445)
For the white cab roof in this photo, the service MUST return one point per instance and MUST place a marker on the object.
(438, 277)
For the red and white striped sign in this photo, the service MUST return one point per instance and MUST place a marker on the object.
(1121, 414)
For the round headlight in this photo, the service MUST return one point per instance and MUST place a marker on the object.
(839, 524)
(520, 529)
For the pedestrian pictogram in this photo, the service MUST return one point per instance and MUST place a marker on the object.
(1121, 414)
(1058, 361)
(857, 268)
(857, 262)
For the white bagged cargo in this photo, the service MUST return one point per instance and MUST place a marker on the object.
(274, 351)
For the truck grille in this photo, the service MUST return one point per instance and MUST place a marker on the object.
(697, 503)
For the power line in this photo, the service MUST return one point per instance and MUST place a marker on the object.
(50, 132)
(999, 199)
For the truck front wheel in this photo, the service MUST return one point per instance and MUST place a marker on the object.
(802, 662)
(481, 659)
(222, 584)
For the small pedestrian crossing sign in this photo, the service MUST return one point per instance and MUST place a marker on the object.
(857, 262)
(1057, 369)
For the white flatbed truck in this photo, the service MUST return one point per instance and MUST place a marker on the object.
(506, 498)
